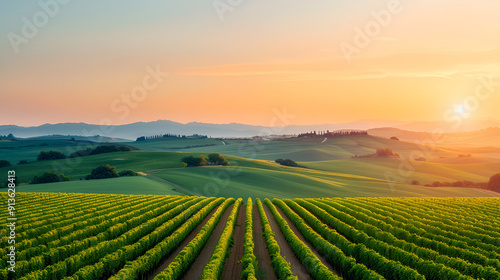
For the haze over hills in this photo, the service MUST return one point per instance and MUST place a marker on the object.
(133, 130)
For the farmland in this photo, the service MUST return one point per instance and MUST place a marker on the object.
(111, 236)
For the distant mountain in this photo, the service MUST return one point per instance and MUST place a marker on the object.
(133, 130)
(452, 126)
(488, 137)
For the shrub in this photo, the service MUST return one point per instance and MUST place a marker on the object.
(101, 149)
(22, 161)
(50, 155)
(194, 161)
(217, 159)
(415, 182)
(394, 138)
(102, 172)
(49, 177)
(286, 162)
(494, 183)
(387, 152)
(128, 172)
(4, 163)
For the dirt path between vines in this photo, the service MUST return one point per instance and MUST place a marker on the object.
(303, 239)
(297, 268)
(265, 270)
(196, 269)
(232, 267)
(188, 239)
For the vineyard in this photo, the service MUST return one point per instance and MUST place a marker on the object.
(105, 236)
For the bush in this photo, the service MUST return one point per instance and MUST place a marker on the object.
(4, 163)
(22, 162)
(101, 149)
(494, 183)
(387, 152)
(394, 138)
(50, 155)
(286, 162)
(102, 172)
(217, 159)
(128, 172)
(194, 161)
(415, 182)
(49, 177)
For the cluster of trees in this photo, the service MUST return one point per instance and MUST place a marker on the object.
(50, 155)
(108, 171)
(464, 183)
(395, 138)
(4, 163)
(328, 133)
(170, 135)
(494, 183)
(49, 177)
(101, 149)
(384, 153)
(286, 162)
(7, 137)
(213, 159)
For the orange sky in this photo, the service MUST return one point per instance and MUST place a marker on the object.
(262, 57)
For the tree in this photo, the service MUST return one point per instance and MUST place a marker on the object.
(415, 182)
(102, 172)
(387, 152)
(494, 183)
(287, 162)
(395, 138)
(217, 159)
(4, 163)
(23, 161)
(50, 155)
(49, 177)
(194, 161)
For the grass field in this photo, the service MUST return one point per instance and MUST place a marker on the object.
(123, 185)
(103, 236)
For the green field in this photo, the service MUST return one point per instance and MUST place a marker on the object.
(329, 169)
(123, 185)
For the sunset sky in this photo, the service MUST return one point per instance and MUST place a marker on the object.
(244, 63)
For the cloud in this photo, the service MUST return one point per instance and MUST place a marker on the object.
(404, 65)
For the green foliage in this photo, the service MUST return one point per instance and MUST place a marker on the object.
(217, 159)
(23, 161)
(282, 268)
(191, 161)
(306, 256)
(249, 261)
(287, 162)
(50, 155)
(102, 172)
(49, 177)
(4, 163)
(213, 269)
(101, 149)
(128, 172)
(494, 183)
(189, 253)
